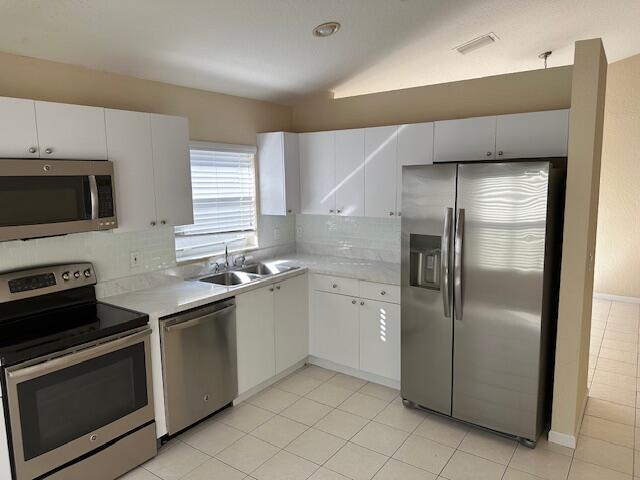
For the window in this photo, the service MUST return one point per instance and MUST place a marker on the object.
(224, 201)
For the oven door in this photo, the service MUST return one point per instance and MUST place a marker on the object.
(64, 407)
(44, 198)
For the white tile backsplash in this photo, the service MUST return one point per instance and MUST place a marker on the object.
(353, 237)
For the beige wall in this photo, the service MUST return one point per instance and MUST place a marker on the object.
(518, 92)
(212, 116)
(581, 211)
(618, 244)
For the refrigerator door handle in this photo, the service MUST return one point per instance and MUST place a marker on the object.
(457, 264)
(444, 261)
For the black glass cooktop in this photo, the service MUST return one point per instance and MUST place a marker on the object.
(39, 326)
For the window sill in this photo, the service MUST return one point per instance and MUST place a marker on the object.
(210, 256)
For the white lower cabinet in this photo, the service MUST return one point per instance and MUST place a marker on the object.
(335, 328)
(380, 338)
(354, 328)
(271, 330)
(291, 307)
(255, 333)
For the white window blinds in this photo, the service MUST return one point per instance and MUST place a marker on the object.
(224, 194)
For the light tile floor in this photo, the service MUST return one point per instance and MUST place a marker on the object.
(321, 425)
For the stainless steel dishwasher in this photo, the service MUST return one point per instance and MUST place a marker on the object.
(199, 363)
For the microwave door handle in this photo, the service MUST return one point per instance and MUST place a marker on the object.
(93, 189)
(457, 268)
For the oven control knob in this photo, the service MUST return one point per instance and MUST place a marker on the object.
(93, 437)
(76, 274)
(87, 272)
(65, 276)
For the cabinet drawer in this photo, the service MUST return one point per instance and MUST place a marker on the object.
(380, 291)
(341, 285)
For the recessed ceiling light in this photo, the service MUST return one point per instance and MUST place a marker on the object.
(326, 29)
(477, 43)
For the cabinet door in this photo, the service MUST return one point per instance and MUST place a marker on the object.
(533, 135)
(415, 147)
(291, 173)
(291, 322)
(129, 148)
(335, 329)
(380, 150)
(255, 337)
(71, 131)
(350, 172)
(463, 140)
(380, 338)
(172, 169)
(317, 173)
(18, 134)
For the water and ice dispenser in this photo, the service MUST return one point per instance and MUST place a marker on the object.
(424, 263)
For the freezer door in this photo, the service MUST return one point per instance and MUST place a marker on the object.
(498, 280)
(428, 203)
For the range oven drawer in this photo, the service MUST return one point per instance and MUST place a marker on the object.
(64, 407)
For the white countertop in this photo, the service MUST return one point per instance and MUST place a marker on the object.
(181, 295)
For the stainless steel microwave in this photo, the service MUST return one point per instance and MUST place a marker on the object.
(42, 198)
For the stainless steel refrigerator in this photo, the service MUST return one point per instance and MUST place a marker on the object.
(481, 246)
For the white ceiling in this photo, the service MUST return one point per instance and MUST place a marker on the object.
(264, 48)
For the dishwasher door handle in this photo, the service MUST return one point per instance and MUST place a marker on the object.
(197, 321)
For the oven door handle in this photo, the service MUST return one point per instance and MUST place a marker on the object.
(93, 190)
(58, 363)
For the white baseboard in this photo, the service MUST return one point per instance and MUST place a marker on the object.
(565, 439)
(616, 298)
(562, 439)
(267, 383)
(354, 372)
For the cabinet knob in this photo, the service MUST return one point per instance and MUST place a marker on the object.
(289, 211)
(277, 287)
(489, 154)
(500, 152)
(33, 149)
(153, 223)
(383, 292)
(339, 210)
(361, 303)
(353, 301)
(48, 151)
(335, 285)
(271, 289)
(399, 214)
(391, 214)
(331, 211)
(163, 222)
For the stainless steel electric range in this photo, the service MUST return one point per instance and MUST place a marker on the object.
(76, 377)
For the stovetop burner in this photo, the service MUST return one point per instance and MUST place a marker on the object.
(36, 324)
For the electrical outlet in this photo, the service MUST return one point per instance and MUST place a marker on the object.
(299, 232)
(276, 234)
(134, 259)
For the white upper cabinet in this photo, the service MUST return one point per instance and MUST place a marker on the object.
(415, 147)
(317, 173)
(466, 139)
(380, 150)
(350, 172)
(71, 131)
(291, 312)
(18, 133)
(279, 173)
(171, 169)
(531, 135)
(129, 148)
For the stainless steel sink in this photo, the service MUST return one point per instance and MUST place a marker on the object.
(266, 269)
(228, 279)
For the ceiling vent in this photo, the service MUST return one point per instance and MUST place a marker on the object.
(477, 43)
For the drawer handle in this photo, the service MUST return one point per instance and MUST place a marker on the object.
(361, 303)
(277, 287)
(335, 285)
(383, 292)
(353, 301)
